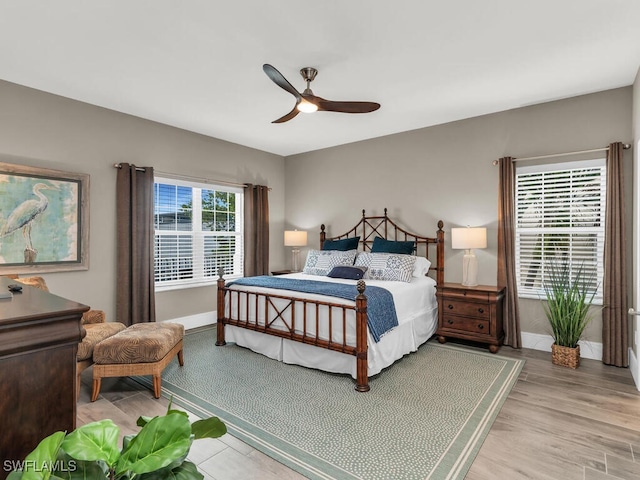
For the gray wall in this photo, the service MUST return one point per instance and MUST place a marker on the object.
(446, 172)
(442, 172)
(43, 130)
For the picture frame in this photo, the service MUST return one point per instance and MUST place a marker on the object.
(44, 220)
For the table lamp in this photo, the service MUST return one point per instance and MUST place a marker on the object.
(468, 238)
(295, 239)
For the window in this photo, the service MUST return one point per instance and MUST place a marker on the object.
(560, 212)
(198, 229)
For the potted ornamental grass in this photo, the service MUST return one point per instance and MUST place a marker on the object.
(569, 296)
(158, 451)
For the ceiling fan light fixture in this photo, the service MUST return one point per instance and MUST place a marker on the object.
(308, 102)
(307, 107)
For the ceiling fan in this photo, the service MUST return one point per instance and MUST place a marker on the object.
(308, 102)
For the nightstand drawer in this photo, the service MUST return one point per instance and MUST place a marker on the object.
(469, 309)
(464, 294)
(482, 327)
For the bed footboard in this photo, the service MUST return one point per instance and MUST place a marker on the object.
(318, 323)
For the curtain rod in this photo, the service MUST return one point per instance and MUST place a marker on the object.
(187, 177)
(626, 146)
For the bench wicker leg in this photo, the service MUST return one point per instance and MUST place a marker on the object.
(96, 389)
(181, 358)
(157, 385)
(80, 367)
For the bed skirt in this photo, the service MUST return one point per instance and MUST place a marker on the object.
(400, 341)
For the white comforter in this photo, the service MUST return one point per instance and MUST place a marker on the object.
(416, 309)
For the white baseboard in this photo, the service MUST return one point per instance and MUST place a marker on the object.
(197, 320)
(634, 367)
(536, 341)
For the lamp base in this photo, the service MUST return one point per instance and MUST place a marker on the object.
(469, 269)
(295, 252)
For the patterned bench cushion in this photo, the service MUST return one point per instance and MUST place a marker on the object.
(96, 332)
(139, 343)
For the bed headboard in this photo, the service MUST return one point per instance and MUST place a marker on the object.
(382, 226)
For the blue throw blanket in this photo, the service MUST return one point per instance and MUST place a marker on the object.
(381, 310)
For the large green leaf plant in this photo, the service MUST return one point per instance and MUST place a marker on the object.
(158, 451)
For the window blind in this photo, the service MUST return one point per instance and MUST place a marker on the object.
(198, 229)
(560, 212)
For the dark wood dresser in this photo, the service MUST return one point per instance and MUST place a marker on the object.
(39, 335)
(471, 313)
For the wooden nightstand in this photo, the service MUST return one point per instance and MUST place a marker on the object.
(470, 313)
(281, 272)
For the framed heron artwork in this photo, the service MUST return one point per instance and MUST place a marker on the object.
(44, 220)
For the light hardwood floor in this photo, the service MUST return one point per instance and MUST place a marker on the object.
(557, 423)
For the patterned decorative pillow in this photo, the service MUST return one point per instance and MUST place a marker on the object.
(387, 266)
(321, 262)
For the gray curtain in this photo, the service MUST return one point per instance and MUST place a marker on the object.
(615, 342)
(135, 295)
(256, 230)
(507, 252)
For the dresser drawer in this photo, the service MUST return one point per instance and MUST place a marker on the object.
(469, 309)
(466, 324)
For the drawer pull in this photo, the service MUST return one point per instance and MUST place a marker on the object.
(450, 307)
(450, 322)
(480, 326)
(481, 310)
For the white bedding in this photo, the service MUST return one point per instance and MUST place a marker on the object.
(417, 313)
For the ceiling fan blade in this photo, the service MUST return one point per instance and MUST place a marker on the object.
(288, 116)
(345, 107)
(279, 80)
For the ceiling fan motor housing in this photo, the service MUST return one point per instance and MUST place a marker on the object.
(308, 73)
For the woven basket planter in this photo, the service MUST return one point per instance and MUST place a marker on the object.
(565, 356)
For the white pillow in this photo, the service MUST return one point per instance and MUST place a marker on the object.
(387, 266)
(321, 262)
(422, 266)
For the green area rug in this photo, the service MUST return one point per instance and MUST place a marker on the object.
(424, 418)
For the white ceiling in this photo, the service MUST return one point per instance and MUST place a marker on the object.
(197, 64)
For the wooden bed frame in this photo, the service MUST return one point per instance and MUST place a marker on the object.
(367, 229)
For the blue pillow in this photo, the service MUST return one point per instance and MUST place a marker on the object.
(380, 245)
(347, 271)
(342, 245)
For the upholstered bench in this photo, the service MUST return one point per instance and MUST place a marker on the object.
(141, 349)
(96, 331)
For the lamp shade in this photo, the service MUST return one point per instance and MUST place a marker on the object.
(467, 238)
(295, 238)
